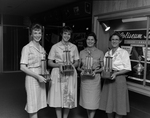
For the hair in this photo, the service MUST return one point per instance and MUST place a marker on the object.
(66, 29)
(35, 26)
(92, 34)
(117, 34)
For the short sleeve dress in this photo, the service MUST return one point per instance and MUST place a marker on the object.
(63, 89)
(36, 92)
(90, 87)
(114, 95)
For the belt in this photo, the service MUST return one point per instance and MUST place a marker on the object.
(35, 67)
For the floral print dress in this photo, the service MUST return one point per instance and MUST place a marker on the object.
(63, 88)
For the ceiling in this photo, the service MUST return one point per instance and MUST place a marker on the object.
(30, 7)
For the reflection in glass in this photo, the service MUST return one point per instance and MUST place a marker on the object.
(139, 67)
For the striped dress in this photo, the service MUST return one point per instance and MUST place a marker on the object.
(36, 91)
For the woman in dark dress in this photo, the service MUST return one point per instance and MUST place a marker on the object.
(91, 85)
(114, 97)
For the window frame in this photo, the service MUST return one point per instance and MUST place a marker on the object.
(135, 12)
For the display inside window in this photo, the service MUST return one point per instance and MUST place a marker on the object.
(133, 27)
(134, 41)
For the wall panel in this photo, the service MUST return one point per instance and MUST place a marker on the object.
(106, 6)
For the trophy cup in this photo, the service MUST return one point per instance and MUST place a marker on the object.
(44, 71)
(88, 64)
(43, 67)
(107, 72)
(139, 67)
(67, 67)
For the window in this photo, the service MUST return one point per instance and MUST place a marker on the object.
(14, 38)
(137, 81)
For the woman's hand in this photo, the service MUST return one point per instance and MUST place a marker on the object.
(82, 72)
(82, 69)
(60, 65)
(113, 76)
(41, 79)
(79, 69)
(72, 65)
(94, 72)
(48, 76)
(48, 79)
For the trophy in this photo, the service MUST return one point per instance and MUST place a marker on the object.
(139, 67)
(107, 72)
(67, 67)
(44, 71)
(43, 67)
(88, 64)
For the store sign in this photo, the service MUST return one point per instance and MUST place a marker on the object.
(134, 36)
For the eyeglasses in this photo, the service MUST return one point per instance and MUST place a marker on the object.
(115, 39)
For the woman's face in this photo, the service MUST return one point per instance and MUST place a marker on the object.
(115, 41)
(37, 34)
(66, 35)
(90, 41)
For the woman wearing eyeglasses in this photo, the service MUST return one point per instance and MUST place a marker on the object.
(114, 96)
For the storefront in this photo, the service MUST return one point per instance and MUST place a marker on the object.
(133, 25)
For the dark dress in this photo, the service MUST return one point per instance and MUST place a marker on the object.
(90, 86)
(114, 95)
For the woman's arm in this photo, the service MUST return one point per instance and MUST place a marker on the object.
(101, 63)
(119, 73)
(79, 65)
(25, 69)
(75, 64)
(53, 64)
(101, 67)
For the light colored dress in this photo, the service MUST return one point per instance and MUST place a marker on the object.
(36, 91)
(63, 88)
(114, 95)
(90, 86)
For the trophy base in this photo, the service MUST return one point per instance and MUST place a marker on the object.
(106, 75)
(88, 73)
(67, 69)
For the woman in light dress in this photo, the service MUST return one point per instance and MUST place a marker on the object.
(30, 63)
(114, 96)
(62, 93)
(91, 84)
